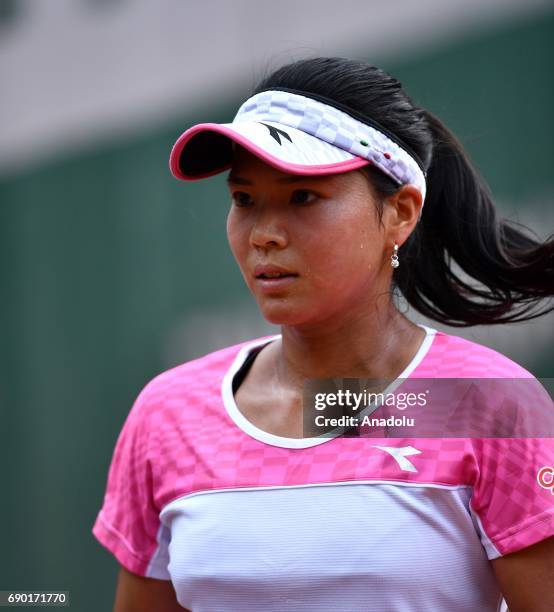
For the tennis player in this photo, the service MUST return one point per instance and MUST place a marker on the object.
(342, 192)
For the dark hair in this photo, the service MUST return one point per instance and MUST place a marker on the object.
(459, 224)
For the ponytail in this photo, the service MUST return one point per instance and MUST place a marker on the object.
(461, 239)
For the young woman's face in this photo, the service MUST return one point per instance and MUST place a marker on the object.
(322, 232)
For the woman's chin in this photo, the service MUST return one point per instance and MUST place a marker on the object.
(281, 319)
(282, 314)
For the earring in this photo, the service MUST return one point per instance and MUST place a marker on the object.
(394, 257)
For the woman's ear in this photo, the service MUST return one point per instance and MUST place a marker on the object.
(403, 211)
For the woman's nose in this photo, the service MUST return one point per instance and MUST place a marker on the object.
(268, 230)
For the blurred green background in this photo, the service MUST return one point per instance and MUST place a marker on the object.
(112, 271)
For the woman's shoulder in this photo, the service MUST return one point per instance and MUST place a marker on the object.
(201, 374)
(454, 356)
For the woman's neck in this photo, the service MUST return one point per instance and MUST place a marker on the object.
(375, 346)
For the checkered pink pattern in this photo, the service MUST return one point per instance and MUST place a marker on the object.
(178, 439)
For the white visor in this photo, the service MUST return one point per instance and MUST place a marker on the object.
(295, 134)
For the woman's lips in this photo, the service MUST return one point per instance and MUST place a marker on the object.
(269, 269)
(277, 283)
(270, 277)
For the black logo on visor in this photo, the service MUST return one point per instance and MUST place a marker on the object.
(274, 132)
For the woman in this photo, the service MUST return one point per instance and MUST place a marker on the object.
(341, 191)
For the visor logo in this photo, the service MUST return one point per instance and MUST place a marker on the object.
(274, 133)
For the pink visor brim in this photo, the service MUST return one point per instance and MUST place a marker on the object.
(224, 162)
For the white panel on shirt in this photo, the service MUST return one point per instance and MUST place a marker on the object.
(337, 547)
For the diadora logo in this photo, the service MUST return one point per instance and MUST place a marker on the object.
(274, 132)
(545, 478)
(399, 453)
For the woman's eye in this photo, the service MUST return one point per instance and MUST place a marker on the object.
(240, 198)
(302, 196)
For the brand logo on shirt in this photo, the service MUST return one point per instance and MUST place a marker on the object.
(399, 453)
(545, 478)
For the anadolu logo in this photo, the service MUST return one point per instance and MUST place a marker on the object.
(545, 478)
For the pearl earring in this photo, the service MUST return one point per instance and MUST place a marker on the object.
(394, 257)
